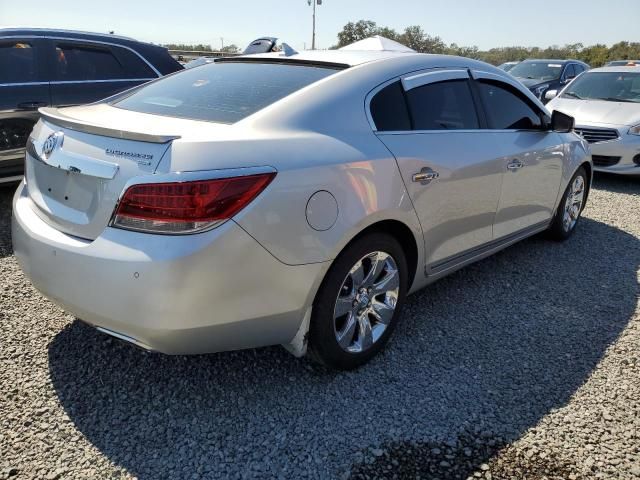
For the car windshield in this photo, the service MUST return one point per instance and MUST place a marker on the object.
(507, 66)
(537, 70)
(608, 86)
(223, 92)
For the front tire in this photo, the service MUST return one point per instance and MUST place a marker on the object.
(359, 302)
(568, 213)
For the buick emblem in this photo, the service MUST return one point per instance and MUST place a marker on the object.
(52, 142)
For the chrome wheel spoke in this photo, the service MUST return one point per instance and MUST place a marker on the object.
(343, 306)
(357, 274)
(389, 282)
(365, 335)
(345, 336)
(382, 312)
(378, 261)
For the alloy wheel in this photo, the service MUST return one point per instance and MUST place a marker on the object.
(573, 203)
(366, 302)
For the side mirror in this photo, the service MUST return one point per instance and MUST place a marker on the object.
(567, 80)
(561, 122)
(550, 94)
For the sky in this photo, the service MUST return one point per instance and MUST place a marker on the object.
(484, 23)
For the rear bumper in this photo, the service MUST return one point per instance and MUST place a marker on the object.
(627, 147)
(214, 291)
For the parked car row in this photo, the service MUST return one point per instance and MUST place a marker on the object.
(45, 67)
(265, 171)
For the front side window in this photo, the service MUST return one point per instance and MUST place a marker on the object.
(506, 108)
(606, 86)
(542, 71)
(446, 105)
(223, 92)
(78, 62)
(18, 62)
(570, 72)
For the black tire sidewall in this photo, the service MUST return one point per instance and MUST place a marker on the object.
(322, 341)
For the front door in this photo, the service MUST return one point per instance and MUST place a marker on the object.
(533, 156)
(448, 163)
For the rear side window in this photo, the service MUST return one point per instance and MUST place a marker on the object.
(223, 92)
(389, 109)
(78, 62)
(443, 106)
(507, 109)
(17, 62)
(133, 65)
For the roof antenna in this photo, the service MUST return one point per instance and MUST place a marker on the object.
(288, 51)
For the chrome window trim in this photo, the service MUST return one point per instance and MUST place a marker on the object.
(23, 84)
(419, 80)
(77, 164)
(62, 30)
(414, 73)
(81, 40)
(65, 82)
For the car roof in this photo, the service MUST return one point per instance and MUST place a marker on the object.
(43, 32)
(349, 58)
(552, 60)
(617, 69)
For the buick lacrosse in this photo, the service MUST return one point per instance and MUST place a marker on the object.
(288, 198)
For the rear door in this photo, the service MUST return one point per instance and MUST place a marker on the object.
(533, 156)
(24, 87)
(87, 71)
(448, 162)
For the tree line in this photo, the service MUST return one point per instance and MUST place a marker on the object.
(416, 38)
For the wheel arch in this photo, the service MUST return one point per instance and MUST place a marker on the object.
(402, 233)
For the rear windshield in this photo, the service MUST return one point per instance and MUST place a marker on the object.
(222, 92)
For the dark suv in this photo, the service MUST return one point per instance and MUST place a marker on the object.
(542, 75)
(43, 67)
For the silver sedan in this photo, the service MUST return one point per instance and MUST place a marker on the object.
(290, 199)
(606, 105)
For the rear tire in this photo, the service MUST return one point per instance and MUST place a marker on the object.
(568, 213)
(359, 302)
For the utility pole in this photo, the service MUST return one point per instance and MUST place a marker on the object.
(313, 36)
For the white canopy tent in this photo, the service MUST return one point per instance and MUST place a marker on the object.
(378, 43)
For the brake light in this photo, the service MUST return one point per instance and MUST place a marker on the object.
(186, 207)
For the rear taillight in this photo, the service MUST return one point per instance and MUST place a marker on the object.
(186, 207)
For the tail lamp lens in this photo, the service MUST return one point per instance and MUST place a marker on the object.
(186, 207)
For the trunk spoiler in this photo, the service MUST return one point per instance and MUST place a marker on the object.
(55, 116)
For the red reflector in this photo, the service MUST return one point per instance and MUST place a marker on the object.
(185, 207)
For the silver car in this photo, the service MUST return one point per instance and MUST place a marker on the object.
(606, 105)
(290, 200)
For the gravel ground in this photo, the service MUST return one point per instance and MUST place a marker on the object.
(525, 365)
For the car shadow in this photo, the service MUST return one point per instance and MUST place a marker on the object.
(6, 196)
(483, 352)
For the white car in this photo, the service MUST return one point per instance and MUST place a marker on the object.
(605, 103)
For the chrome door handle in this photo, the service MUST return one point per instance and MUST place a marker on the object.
(515, 165)
(425, 176)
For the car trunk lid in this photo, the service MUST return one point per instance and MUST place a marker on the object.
(77, 165)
